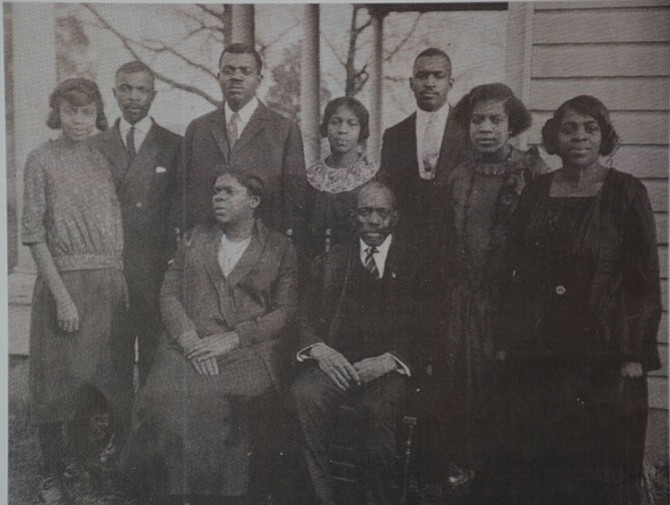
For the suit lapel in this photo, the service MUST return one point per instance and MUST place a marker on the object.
(250, 258)
(115, 151)
(141, 169)
(452, 143)
(219, 132)
(256, 124)
(410, 133)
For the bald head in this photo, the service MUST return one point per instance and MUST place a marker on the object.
(375, 214)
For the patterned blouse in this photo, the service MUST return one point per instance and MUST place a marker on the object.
(70, 203)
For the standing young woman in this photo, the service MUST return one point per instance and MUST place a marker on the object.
(78, 349)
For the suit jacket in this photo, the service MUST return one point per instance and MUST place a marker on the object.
(270, 147)
(145, 189)
(400, 170)
(321, 308)
(257, 300)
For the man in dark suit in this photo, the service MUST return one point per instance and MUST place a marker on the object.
(359, 316)
(420, 152)
(144, 159)
(245, 134)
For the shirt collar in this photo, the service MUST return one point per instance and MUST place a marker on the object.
(442, 114)
(141, 127)
(245, 112)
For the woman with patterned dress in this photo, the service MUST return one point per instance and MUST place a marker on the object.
(79, 352)
(335, 179)
(583, 317)
(482, 195)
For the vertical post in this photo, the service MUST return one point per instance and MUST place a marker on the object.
(376, 75)
(518, 53)
(242, 26)
(33, 75)
(310, 84)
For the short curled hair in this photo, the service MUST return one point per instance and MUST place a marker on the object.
(587, 105)
(254, 184)
(517, 113)
(76, 92)
(432, 52)
(354, 106)
(135, 67)
(238, 48)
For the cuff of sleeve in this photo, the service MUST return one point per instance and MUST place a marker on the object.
(402, 368)
(248, 333)
(305, 353)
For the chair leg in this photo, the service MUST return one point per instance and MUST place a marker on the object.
(410, 422)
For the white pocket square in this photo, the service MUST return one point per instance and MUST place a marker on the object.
(161, 170)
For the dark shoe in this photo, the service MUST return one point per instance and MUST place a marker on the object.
(51, 491)
(76, 480)
(458, 478)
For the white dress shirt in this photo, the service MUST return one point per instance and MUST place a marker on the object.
(244, 113)
(230, 253)
(142, 127)
(422, 118)
(380, 256)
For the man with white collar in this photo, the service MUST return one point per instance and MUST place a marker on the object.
(359, 317)
(419, 153)
(144, 158)
(244, 134)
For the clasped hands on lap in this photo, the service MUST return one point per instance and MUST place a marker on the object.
(202, 352)
(347, 375)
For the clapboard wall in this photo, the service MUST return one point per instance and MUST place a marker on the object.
(620, 53)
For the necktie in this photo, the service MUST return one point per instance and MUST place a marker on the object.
(432, 141)
(130, 142)
(369, 261)
(233, 133)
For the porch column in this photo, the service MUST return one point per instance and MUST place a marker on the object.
(310, 84)
(243, 27)
(376, 76)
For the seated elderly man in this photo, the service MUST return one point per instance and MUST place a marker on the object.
(356, 325)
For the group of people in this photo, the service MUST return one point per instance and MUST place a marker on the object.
(524, 302)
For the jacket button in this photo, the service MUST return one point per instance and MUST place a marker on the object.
(560, 290)
(138, 205)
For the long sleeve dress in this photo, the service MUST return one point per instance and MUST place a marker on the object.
(585, 298)
(482, 196)
(71, 205)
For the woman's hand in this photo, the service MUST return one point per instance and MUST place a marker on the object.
(67, 314)
(631, 370)
(213, 346)
(206, 366)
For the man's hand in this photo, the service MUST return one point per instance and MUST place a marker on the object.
(214, 345)
(67, 315)
(206, 366)
(631, 370)
(335, 366)
(370, 369)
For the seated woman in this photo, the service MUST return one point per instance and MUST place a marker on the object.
(482, 195)
(585, 307)
(225, 301)
(335, 179)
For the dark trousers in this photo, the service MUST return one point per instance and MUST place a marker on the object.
(316, 399)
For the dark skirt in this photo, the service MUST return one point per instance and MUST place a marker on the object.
(190, 432)
(581, 434)
(99, 357)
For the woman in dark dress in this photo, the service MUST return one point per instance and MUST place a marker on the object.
(482, 195)
(584, 316)
(336, 178)
(81, 358)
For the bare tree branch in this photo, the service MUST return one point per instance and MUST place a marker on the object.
(127, 44)
(404, 40)
(264, 45)
(208, 10)
(334, 50)
(160, 47)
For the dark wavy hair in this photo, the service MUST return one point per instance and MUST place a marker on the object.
(517, 113)
(354, 106)
(76, 92)
(583, 104)
(254, 184)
